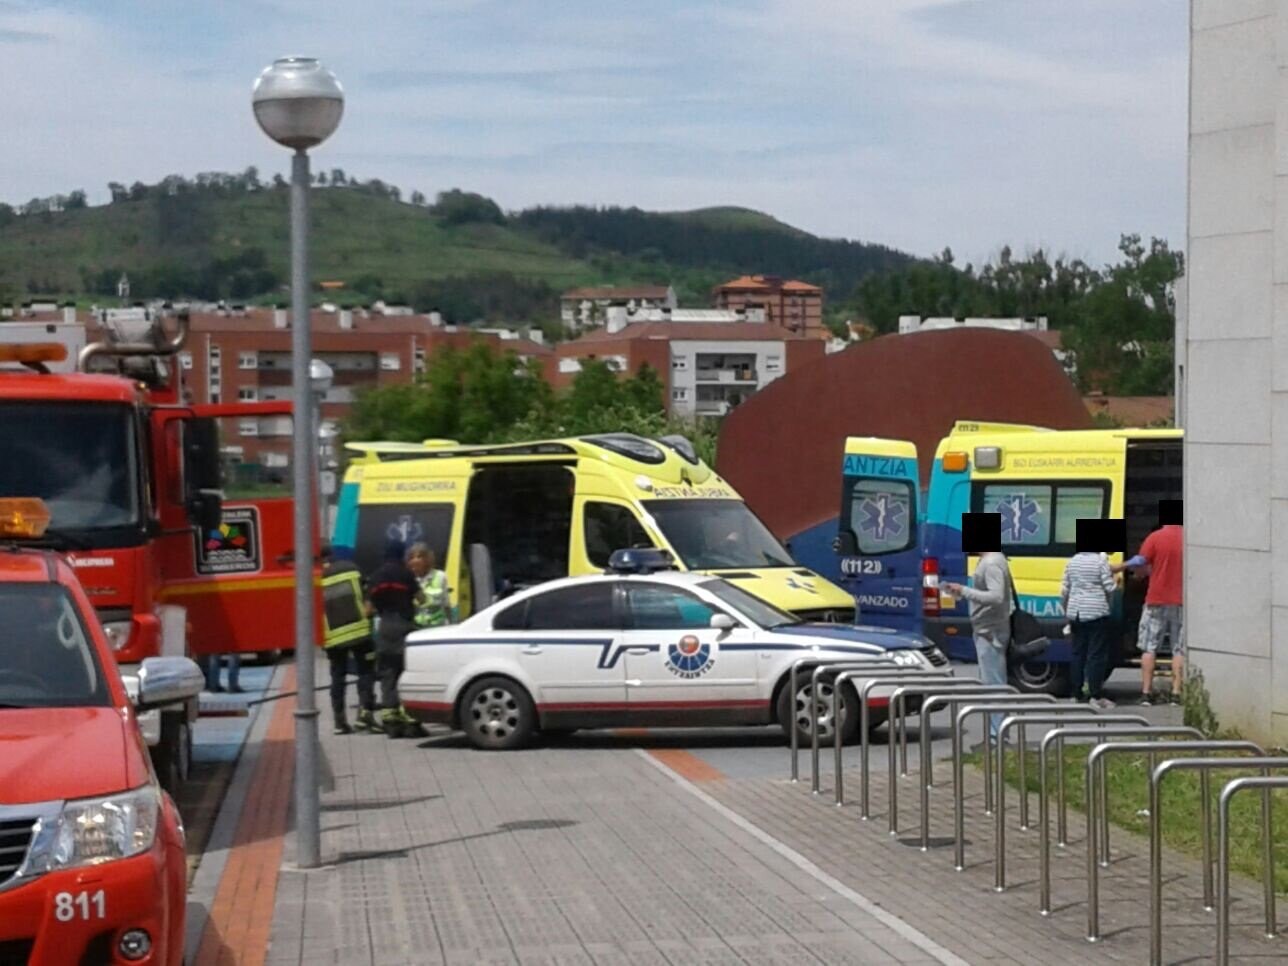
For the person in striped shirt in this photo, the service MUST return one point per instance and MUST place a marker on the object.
(1086, 591)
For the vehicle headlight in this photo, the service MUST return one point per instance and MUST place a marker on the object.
(95, 830)
(118, 633)
(906, 658)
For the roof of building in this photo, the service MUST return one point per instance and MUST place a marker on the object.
(619, 292)
(1131, 410)
(768, 283)
(693, 331)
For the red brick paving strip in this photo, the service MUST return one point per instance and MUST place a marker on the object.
(241, 917)
(687, 765)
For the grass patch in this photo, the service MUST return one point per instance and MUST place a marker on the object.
(1181, 803)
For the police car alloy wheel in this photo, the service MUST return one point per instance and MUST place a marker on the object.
(497, 714)
(797, 711)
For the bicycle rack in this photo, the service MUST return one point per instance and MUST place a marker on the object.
(1098, 817)
(794, 738)
(1058, 736)
(891, 678)
(1203, 766)
(1077, 714)
(929, 704)
(984, 707)
(898, 695)
(815, 703)
(865, 693)
(1267, 784)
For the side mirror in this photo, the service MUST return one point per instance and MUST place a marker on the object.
(201, 466)
(723, 623)
(845, 545)
(206, 509)
(165, 680)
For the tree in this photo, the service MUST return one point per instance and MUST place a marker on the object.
(279, 181)
(138, 191)
(118, 191)
(337, 177)
(417, 198)
(321, 179)
(458, 207)
(75, 200)
(250, 178)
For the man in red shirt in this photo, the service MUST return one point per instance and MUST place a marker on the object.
(1161, 558)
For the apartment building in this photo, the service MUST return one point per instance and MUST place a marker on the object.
(708, 368)
(796, 306)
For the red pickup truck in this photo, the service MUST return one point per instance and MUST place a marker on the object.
(92, 865)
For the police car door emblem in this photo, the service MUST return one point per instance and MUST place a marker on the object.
(690, 658)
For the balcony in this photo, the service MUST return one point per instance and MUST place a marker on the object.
(726, 376)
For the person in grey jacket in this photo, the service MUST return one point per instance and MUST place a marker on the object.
(990, 601)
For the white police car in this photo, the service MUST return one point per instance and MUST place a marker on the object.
(637, 646)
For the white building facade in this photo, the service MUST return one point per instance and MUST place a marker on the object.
(710, 378)
(1232, 362)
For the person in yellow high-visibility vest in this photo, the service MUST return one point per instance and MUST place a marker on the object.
(435, 606)
(347, 643)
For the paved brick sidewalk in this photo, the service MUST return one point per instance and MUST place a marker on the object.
(961, 910)
(440, 854)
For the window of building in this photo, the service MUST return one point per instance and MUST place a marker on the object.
(773, 363)
(248, 427)
(609, 527)
(389, 362)
(214, 395)
(679, 395)
(246, 394)
(680, 363)
(247, 360)
(185, 360)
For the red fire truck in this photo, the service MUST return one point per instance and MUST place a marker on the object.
(131, 474)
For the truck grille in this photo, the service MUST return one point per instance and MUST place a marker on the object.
(15, 840)
(935, 656)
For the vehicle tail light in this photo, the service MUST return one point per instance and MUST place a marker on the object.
(930, 587)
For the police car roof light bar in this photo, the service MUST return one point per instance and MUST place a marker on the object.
(640, 561)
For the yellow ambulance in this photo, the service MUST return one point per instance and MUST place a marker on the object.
(503, 517)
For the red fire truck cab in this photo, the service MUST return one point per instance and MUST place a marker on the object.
(92, 865)
(131, 475)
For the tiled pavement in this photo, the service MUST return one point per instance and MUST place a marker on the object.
(582, 853)
(440, 854)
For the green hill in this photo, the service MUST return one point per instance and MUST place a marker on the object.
(229, 240)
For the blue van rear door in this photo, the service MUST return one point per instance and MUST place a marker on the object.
(880, 556)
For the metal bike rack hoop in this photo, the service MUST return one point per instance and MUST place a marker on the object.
(1075, 713)
(1260, 762)
(1095, 803)
(1267, 784)
(1059, 735)
(833, 667)
(793, 738)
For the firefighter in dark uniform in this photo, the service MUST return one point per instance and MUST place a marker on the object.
(348, 644)
(394, 593)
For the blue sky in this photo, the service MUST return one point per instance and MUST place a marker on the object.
(915, 123)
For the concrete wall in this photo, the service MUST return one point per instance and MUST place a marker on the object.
(1233, 348)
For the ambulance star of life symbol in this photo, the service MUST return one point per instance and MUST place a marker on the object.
(882, 516)
(406, 529)
(1019, 517)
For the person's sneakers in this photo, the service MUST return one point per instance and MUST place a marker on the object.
(1104, 704)
(236, 689)
(342, 728)
(1175, 698)
(1146, 700)
(216, 689)
(366, 721)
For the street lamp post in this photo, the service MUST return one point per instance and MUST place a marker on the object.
(298, 103)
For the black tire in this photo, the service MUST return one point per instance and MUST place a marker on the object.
(1041, 677)
(796, 712)
(497, 714)
(172, 757)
